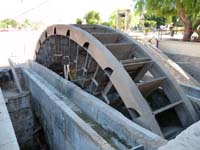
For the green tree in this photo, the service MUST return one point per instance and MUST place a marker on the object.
(154, 19)
(3, 25)
(79, 21)
(113, 19)
(8, 23)
(186, 10)
(27, 22)
(92, 17)
(106, 24)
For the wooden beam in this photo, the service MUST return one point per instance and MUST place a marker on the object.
(106, 91)
(137, 60)
(15, 76)
(121, 50)
(167, 107)
(147, 87)
(134, 64)
(142, 72)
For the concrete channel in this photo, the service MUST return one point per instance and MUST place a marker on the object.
(50, 112)
(70, 117)
(92, 121)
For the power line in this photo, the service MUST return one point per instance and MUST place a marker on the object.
(31, 9)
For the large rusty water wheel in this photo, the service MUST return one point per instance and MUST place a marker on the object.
(118, 70)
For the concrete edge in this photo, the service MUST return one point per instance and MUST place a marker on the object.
(125, 128)
(8, 140)
(179, 74)
(192, 92)
(85, 128)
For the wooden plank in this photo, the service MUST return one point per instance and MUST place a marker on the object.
(105, 92)
(194, 99)
(142, 72)
(139, 147)
(121, 50)
(134, 64)
(137, 60)
(107, 38)
(167, 107)
(147, 87)
(15, 77)
(58, 55)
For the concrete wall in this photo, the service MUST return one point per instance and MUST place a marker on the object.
(192, 49)
(186, 54)
(193, 94)
(64, 129)
(191, 91)
(187, 140)
(19, 108)
(20, 112)
(8, 140)
(176, 71)
(109, 118)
